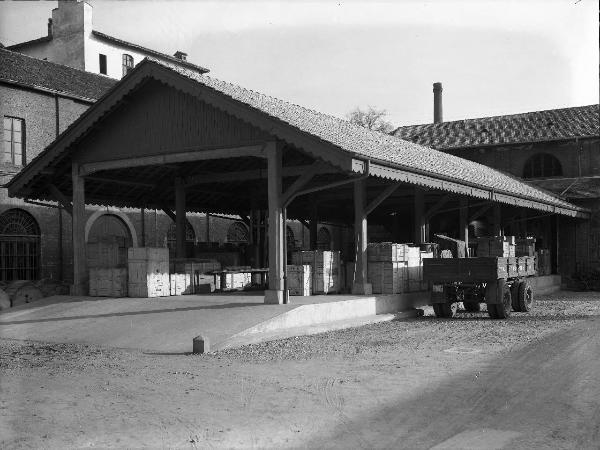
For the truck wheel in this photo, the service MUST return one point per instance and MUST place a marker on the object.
(445, 310)
(472, 306)
(501, 310)
(525, 297)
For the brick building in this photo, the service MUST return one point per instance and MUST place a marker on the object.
(557, 150)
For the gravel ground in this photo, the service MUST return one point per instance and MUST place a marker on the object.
(291, 392)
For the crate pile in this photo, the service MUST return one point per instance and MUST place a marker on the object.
(148, 272)
(325, 269)
(395, 268)
(193, 276)
(496, 246)
(237, 280)
(108, 282)
(299, 279)
(181, 284)
(525, 247)
(544, 262)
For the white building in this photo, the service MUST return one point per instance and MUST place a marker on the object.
(72, 41)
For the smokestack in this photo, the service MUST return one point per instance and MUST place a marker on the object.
(180, 55)
(437, 103)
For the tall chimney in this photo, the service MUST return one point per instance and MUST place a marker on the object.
(437, 103)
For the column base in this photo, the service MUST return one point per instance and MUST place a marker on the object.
(362, 289)
(275, 297)
(81, 289)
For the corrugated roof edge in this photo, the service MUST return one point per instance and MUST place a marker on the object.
(188, 64)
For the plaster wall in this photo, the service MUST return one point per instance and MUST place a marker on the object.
(114, 56)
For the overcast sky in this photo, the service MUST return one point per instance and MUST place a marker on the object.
(493, 57)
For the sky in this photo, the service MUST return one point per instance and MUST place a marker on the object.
(493, 57)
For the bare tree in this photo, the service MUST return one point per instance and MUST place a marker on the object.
(372, 119)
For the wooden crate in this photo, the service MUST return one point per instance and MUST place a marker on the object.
(525, 247)
(449, 270)
(180, 284)
(386, 251)
(325, 269)
(387, 277)
(148, 272)
(299, 280)
(496, 246)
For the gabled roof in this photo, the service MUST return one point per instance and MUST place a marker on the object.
(325, 134)
(149, 51)
(16, 68)
(540, 126)
(46, 38)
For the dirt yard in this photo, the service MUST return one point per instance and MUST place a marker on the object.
(529, 382)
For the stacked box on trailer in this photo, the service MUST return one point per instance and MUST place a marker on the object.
(148, 272)
(497, 246)
(325, 269)
(525, 247)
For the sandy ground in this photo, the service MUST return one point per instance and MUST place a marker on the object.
(529, 382)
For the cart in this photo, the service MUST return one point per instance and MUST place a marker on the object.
(501, 283)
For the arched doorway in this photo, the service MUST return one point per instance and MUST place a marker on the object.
(19, 246)
(108, 239)
(237, 233)
(323, 239)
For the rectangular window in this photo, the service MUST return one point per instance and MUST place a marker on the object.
(102, 64)
(127, 64)
(13, 149)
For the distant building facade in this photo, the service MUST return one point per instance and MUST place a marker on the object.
(557, 150)
(72, 41)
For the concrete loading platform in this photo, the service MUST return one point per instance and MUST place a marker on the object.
(170, 324)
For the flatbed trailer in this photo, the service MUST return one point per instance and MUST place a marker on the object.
(501, 283)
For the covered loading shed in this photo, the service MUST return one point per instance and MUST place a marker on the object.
(170, 138)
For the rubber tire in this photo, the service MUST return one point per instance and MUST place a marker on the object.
(524, 297)
(514, 294)
(472, 306)
(445, 310)
(501, 310)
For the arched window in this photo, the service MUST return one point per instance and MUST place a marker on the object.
(127, 63)
(107, 242)
(237, 233)
(542, 165)
(19, 246)
(190, 235)
(323, 239)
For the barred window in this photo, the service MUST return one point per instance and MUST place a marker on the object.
(127, 63)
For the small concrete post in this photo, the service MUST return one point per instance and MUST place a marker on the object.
(360, 285)
(275, 294)
(80, 271)
(180, 220)
(201, 344)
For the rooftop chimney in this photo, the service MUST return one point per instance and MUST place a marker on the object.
(437, 103)
(181, 55)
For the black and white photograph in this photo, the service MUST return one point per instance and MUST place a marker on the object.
(302, 224)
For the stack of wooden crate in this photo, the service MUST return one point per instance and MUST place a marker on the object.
(180, 284)
(387, 267)
(325, 269)
(148, 272)
(497, 246)
(199, 272)
(299, 280)
(108, 282)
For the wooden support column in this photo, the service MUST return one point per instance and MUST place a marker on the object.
(420, 219)
(360, 285)
(143, 223)
(180, 220)
(314, 221)
(80, 272)
(497, 220)
(464, 223)
(275, 294)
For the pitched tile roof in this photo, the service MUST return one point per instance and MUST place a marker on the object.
(372, 144)
(36, 73)
(540, 126)
(46, 38)
(149, 51)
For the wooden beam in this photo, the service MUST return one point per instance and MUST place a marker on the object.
(80, 273)
(120, 181)
(437, 206)
(419, 216)
(61, 198)
(249, 175)
(168, 212)
(180, 221)
(245, 219)
(381, 197)
(300, 182)
(464, 223)
(360, 285)
(480, 212)
(168, 157)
